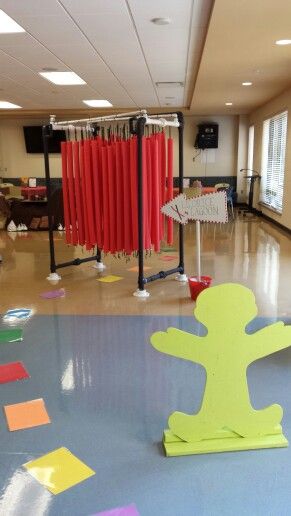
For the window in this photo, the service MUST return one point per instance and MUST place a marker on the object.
(273, 161)
(251, 148)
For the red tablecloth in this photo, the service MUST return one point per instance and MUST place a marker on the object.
(29, 193)
(205, 190)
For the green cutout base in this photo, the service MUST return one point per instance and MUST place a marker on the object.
(174, 446)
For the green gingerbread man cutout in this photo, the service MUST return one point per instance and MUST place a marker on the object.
(225, 352)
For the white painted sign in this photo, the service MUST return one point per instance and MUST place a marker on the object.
(205, 208)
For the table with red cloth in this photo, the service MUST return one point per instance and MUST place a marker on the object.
(188, 191)
(33, 192)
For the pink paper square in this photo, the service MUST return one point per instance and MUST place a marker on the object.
(130, 510)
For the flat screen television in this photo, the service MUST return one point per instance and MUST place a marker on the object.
(33, 140)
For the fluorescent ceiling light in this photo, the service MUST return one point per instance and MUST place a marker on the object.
(8, 105)
(169, 84)
(283, 42)
(97, 103)
(62, 78)
(7, 25)
(228, 103)
(247, 83)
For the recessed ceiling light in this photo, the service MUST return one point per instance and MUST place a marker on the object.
(7, 25)
(228, 103)
(247, 83)
(283, 42)
(62, 78)
(97, 103)
(161, 21)
(169, 98)
(8, 105)
(49, 69)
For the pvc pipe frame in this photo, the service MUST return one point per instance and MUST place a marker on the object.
(46, 133)
(142, 280)
(141, 121)
(149, 120)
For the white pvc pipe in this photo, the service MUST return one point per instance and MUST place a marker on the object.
(198, 250)
(119, 117)
(99, 118)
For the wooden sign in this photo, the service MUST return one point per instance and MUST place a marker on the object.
(205, 208)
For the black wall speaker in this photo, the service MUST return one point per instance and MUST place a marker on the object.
(207, 136)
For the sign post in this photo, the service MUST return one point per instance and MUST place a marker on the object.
(204, 208)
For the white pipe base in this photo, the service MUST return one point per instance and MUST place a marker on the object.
(181, 277)
(54, 276)
(141, 293)
(99, 266)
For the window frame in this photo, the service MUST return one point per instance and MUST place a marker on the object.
(273, 166)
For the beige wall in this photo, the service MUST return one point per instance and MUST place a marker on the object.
(280, 103)
(13, 156)
(214, 162)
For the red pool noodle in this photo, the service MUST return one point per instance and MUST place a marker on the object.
(96, 192)
(84, 200)
(67, 220)
(170, 235)
(149, 185)
(155, 229)
(78, 193)
(119, 198)
(104, 164)
(71, 188)
(89, 190)
(126, 198)
(134, 191)
(163, 179)
(111, 197)
(146, 231)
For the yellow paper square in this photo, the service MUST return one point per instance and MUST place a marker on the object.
(110, 279)
(58, 470)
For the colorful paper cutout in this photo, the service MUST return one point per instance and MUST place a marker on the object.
(226, 416)
(135, 269)
(130, 510)
(12, 371)
(58, 470)
(110, 278)
(26, 415)
(167, 258)
(51, 294)
(13, 335)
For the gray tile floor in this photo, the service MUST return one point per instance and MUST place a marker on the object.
(109, 394)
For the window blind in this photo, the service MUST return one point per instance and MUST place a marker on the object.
(273, 161)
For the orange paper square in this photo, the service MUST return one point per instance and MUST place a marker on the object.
(135, 269)
(26, 415)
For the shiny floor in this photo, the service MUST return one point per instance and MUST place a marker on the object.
(251, 252)
(109, 393)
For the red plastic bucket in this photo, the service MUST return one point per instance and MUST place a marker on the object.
(196, 286)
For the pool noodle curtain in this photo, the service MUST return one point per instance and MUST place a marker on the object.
(100, 192)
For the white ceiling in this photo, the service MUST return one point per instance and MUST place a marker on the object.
(111, 44)
(240, 46)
